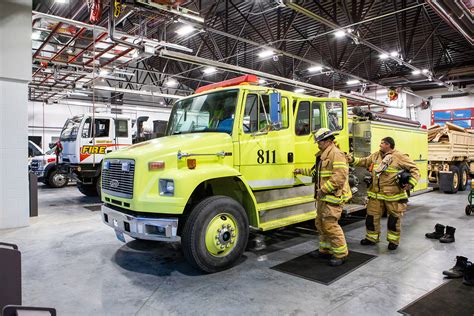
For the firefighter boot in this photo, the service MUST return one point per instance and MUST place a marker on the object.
(437, 234)
(320, 255)
(449, 236)
(334, 262)
(366, 242)
(469, 275)
(458, 270)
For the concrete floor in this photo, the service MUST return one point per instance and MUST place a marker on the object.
(73, 262)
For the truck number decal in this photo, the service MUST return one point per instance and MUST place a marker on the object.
(93, 149)
(265, 154)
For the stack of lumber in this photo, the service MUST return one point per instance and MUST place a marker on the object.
(438, 133)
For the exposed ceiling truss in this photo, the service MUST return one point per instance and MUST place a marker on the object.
(69, 55)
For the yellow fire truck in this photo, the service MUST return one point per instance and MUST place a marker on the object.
(226, 164)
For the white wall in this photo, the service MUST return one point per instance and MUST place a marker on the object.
(47, 120)
(438, 103)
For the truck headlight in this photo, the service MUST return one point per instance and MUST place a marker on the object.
(166, 187)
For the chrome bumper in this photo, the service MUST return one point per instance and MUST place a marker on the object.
(160, 229)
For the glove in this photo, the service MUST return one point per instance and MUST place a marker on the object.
(349, 158)
(297, 171)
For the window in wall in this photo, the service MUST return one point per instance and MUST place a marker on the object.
(461, 117)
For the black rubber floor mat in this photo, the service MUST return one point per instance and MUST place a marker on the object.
(451, 298)
(318, 270)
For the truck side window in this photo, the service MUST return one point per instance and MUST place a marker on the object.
(102, 127)
(86, 129)
(334, 112)
(257, 113)
(121, 128)
(302, 119)
(315, 116)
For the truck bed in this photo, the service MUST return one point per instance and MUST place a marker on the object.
(451, 147)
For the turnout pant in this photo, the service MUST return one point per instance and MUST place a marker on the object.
(331, 236)
(375, 210)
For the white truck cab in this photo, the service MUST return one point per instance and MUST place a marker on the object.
(85, 140)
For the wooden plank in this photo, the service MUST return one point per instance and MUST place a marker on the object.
(454, 127)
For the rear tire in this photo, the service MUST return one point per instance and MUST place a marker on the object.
(453, 185)
(57, 180)
(215, 234)
(463, 177)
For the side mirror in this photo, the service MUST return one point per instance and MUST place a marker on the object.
(275, 109)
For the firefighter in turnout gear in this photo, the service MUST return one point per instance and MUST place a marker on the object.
(386, 192)
(332, 190)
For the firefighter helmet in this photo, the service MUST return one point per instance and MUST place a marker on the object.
(403, 177)
(323, 133)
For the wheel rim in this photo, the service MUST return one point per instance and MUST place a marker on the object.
(455, 180)
(464, 178)
(221, 235)
(59, 179)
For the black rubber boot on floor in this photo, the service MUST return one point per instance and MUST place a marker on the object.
(334, 262)
(437, 234)
(366, 242)
(469, 274)
(392, 246)
(449, 236)
(458, 270)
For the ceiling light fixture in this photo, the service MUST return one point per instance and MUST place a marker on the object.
(35, 35)
(315, 68)
(60, 1)
(340, 33)
(171, 83)
(103, 72)
(353, 82)
(383, 56)
(209, 70)
(262, 81)
(185, 30)
(425, 71)
(266, 53)
(416, 72)
(394, 53)
(299, 90)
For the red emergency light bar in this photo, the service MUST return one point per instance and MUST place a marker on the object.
(246, 79)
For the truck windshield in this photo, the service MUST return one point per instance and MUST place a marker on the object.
(212, 112)
(70, 129)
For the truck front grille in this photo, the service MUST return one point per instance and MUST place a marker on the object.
(117, 177)
(34, 165)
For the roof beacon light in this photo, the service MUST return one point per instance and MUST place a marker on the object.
(246, 79)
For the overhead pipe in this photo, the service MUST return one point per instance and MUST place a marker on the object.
(445, 16)
(382, 117)
(292, 5)
(237, 69)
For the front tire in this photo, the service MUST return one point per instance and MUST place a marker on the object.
(215, 234)
(87, 189)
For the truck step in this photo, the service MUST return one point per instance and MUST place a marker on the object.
(284, 203)
(287, 221)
